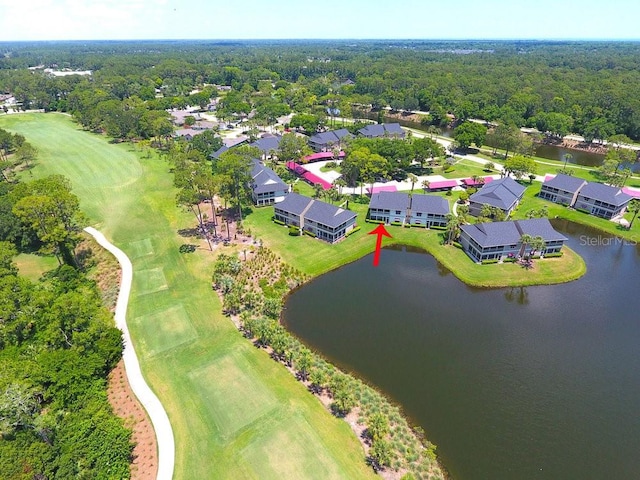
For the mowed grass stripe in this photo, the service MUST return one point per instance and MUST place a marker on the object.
(99, 174)
(234, 394)
(145, 209)
(164, 330)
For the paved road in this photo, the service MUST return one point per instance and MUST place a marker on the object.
(148, 399)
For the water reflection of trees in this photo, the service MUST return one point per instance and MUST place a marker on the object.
(520, 295)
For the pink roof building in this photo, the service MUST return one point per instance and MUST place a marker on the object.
(316, 157)
(383, 188)
(443, 184)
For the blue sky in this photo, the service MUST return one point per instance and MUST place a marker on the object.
(264, 19)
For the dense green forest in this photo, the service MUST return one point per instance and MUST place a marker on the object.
(57, 346)
(559, 87)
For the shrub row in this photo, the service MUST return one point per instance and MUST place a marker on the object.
(352, 231)
(279, 222)
(489, 262)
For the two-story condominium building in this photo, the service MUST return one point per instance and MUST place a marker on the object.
(562, 189)
(391, 130)
(428, 210)
(595, 198)
(266, 186)
(389, 207)
(326, 141)
(416, 209)
(602, 200)
(504, 193)
(325, 221)
(499, 240)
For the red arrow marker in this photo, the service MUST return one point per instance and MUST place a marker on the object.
(380, 231)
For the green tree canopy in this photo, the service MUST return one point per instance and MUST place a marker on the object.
(469, 133)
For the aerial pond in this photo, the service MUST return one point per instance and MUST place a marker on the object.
(536, 382)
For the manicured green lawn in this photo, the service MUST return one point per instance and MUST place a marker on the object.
(313, 256)
(235, 412)
(463, 169)
(531, 201)
(33, 266)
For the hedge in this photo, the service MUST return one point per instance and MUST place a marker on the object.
(396, 224)
(379, 222)
(310, 233)
(352, 231)
(294, 231)
(279, 222)
(553, 255)
(489, 262)
(437, 227)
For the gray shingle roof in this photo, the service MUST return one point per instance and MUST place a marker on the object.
(502, 193)
(393, 129)
(494, 234)
(333, 136)
(327, 214)
(266, 180)
(317, 211)
(539, 227)
(566, 183)
(266, 144)
(605, 193)
(379, 130)
(390, 201)
(429, 204)
(294, 203)
(219, 152)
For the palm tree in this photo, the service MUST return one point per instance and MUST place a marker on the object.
(317, 190)
(303, 363)
(339, 183)
(413, 179)
(433, 131)
(425, 185)
(477, 180)
(537, 244)
(486, 211)
(525, 241)
(453, 228)
(566, 157)
(633, 207)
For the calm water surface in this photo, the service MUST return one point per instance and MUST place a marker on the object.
(538, 382)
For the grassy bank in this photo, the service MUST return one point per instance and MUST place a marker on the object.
(531, 201)
(314, 257)
(235, 413)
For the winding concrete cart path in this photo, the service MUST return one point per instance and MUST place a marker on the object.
(149, 400)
